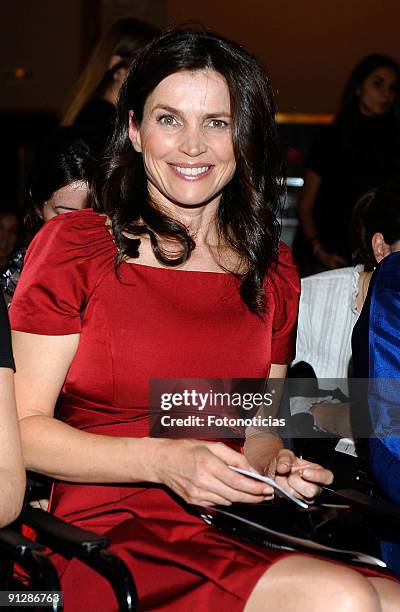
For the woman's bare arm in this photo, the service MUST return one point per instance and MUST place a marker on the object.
(197, 471)
(54, 448)
(12, 472)
(265, 452)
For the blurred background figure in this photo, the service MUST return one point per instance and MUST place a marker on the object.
(9, 235)
(60, 174)
(375, 345)
(331, 303)
(359, 151)
(93, 99)
(58, 183)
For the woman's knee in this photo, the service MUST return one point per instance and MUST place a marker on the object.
(302, 583)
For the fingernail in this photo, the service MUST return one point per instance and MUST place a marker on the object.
(308, 473)
(267, 491)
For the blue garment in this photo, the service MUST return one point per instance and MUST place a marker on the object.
(376, 355)
(384, 354)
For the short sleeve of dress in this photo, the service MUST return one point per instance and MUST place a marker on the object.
(60, 270)
(284, 287)
(6, 357)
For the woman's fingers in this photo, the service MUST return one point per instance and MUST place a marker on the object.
(306, 487)
(318, 474)
(312, 472)
(307, 490)
(222, 480)
(285, 459)
(299, 477)
(199, 472)
(238, 490)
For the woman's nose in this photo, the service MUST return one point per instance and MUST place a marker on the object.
(388, 93)
(193, 141)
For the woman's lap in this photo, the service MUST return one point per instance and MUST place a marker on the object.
(178, 562)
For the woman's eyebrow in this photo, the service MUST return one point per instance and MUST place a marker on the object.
(167, 108)
(223, 113)
(175, 111)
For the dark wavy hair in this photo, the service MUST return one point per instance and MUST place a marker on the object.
(349, 113)
(377, 211)
(66, 156)
(250, 203)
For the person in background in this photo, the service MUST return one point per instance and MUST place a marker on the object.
(375, 346)
(12, 472)
(359, 151)
(58, 183)
(183, 277)
(9, 235)
(331, 302)
(93, 99)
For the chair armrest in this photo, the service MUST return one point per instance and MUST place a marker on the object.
(15, 544)
(61, 536)
(89, 547)
(14, 547)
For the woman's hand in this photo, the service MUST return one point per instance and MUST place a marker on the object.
(299, 477)
(199, 473)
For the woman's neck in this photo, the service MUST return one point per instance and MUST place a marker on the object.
(200, 221)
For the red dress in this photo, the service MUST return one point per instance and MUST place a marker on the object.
(151, 323)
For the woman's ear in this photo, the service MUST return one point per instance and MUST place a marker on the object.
(134, 133)
(379, 246)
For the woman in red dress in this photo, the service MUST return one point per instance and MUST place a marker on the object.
(202, 290)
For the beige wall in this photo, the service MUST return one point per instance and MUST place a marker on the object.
(42, 36)
(309, 46)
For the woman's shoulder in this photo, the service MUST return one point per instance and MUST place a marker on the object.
(63, 265)
(87, 217)
(78, 240)
(338, 286)
(82, 233)
(331, 276)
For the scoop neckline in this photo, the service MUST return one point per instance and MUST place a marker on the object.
(138, 265)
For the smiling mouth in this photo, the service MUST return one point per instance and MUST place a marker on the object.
(191, 172)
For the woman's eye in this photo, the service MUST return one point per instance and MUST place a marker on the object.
(167, 120)
(217, 123)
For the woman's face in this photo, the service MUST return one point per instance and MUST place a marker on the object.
(185, 139)
(377, 93)
(8, 236)
(67, 199)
